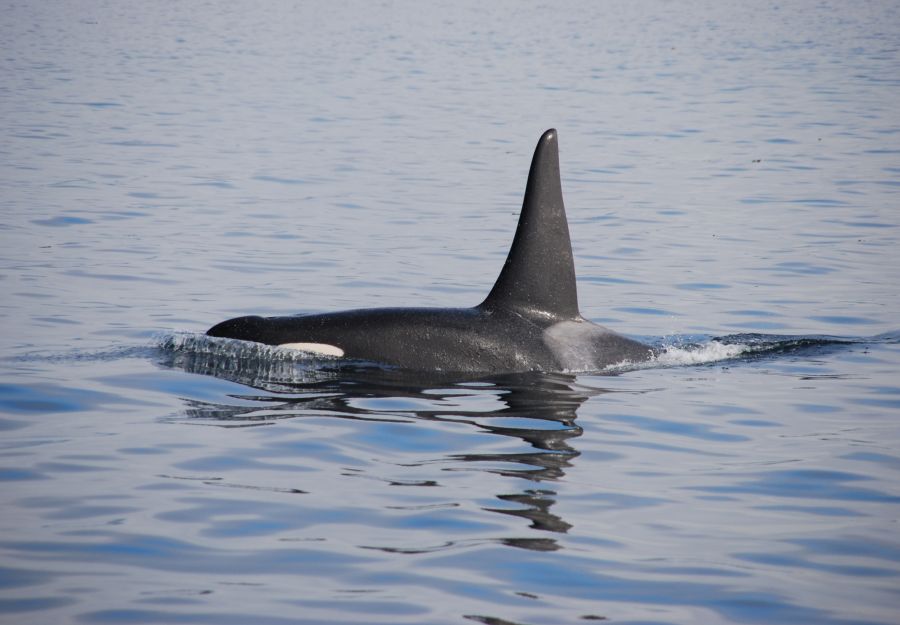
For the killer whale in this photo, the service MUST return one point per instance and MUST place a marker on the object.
(530, 320)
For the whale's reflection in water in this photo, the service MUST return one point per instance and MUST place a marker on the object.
(535, 408)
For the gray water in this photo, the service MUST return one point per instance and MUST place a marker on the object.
(730, 169)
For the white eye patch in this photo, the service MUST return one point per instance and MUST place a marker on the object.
(320, 349)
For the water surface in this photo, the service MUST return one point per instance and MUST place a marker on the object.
(729, 171)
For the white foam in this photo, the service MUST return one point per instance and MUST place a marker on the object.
(678, 355)
(194, 343)
(712, 351)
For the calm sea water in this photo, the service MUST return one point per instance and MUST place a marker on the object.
(729, 168)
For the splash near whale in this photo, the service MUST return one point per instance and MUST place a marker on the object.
(529, 321)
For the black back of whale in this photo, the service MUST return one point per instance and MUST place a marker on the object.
(529, 321)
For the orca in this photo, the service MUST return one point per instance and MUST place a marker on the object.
(529, 321)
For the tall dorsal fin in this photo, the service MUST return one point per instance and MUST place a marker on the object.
(538, 277)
